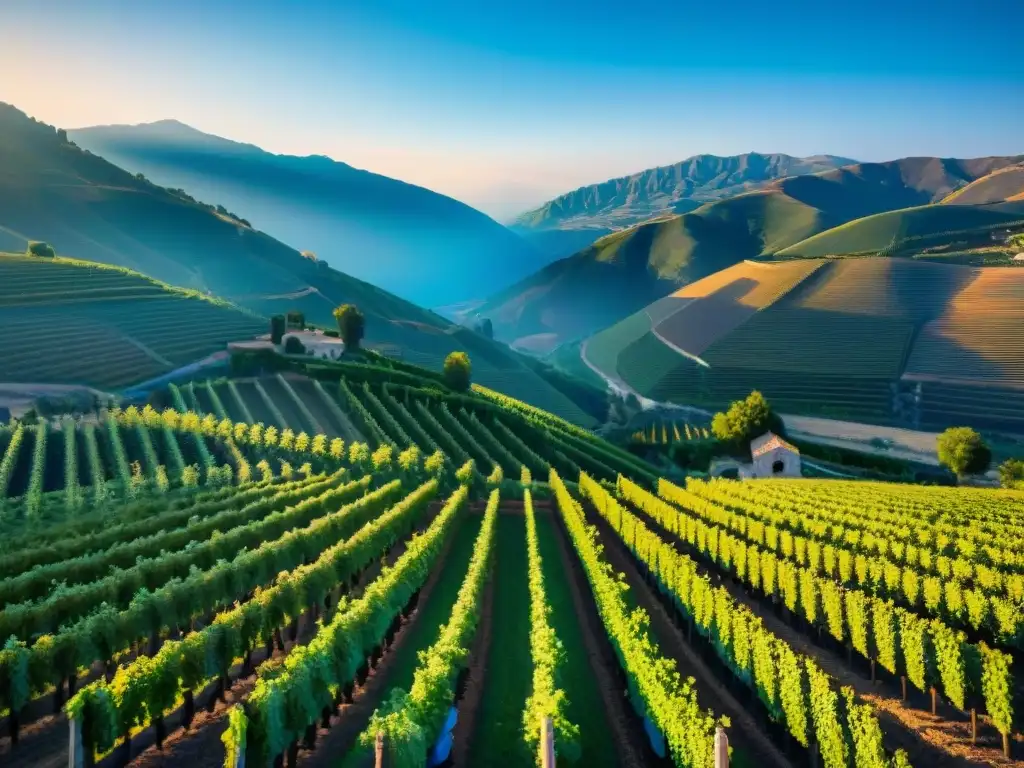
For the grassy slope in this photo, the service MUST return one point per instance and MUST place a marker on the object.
(1004, 184)
(497, 739)
(84, 206)
(878, 232)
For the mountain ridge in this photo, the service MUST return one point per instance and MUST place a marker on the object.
(664, 189)
(422, 245)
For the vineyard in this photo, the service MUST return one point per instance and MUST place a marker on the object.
(299, 571)
(60, 316)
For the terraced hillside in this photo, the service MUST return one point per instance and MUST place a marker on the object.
(68, 321)
(90, 209)
(869, 339)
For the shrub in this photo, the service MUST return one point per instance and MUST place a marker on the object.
(293, 346)
(1011, 473)
(43, 250)
(457, 370)
(962, 450)
(351, 325)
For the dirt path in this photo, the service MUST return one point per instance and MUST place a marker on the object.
(468, 703)
(497, 739)
(351, 719)
(630, 742)
(745, 735)
(942, 741)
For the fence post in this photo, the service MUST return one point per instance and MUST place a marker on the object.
(547, 743)
(721, 748)
(76, 750)
(380, 754)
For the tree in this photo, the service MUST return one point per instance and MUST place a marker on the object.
(43, 250)
(962, 450)
(277, 328)
(745, 420)
(1011, 473)
(457, 370)
(351, 325)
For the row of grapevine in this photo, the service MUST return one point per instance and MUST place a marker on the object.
(948, 600)
(342, 418)
(148, 450)
(456, 430)
(655, 686)
(141, 692)
(793, 688)
(372, 431)
(412, 720)
(218, 405)
(949, 522)
(929, 654)
(284, 703)
(121, 586)
(298, 402)
(608, 455)
(103, 635)
(411, 426)
(239, 402)
(144, 518)
(271, 406)
(98, 476)
(448, 444)
(777, 529)
(547, 698)
(73, 499)
(10, 458)
(483, 435)
(384, 417)
(202, 521)
(34, 494)
(526, 455)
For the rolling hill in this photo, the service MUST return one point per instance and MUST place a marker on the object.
(421, 245)
(89, 209)
(881, 340)
(1005, 184)
(909, 229)
(622, 272)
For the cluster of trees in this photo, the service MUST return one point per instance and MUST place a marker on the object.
(745, 420)
(963, 451)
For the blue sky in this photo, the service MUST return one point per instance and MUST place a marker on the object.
(504, 106)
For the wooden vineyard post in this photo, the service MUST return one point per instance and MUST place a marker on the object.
(380, 754)
(547, 743)
(76, 750)
(721, 748)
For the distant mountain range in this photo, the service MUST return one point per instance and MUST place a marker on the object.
(622, 272)
(657, 192)
(421, 245)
